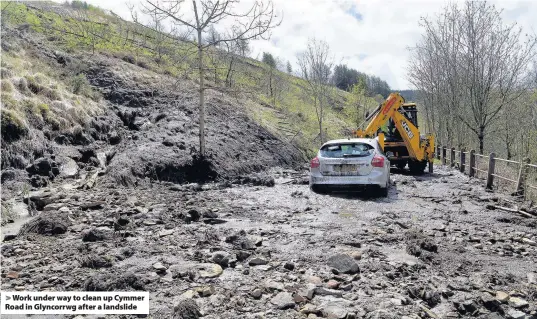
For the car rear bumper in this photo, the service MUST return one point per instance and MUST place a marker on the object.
(378, 178)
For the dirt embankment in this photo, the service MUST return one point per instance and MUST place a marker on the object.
(146, 130)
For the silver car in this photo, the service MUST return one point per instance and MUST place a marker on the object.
(350, 163)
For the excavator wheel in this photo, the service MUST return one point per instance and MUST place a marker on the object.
(417, 167)
(400, 165)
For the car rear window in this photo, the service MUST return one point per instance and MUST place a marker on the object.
(347, 150)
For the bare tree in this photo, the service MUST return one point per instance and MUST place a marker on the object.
(316, 66)
(256, 22)
(470, 67)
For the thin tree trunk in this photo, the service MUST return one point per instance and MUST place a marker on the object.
(481, 137)
(202, 96)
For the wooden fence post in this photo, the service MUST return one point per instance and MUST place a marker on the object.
(490, 173)
(443, 155)
(521, 177)
(462, 160)
(452, 157)
(472, 163)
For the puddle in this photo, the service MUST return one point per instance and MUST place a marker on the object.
(23, 217)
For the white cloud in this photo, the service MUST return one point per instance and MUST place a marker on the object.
(370, 36)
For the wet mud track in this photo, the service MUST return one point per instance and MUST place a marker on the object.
(430, 249)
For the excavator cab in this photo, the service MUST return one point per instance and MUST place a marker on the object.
(410, 112)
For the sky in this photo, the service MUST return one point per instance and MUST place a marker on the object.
(372, 36)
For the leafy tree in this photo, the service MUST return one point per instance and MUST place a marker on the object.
(269, 60)
(289, 68)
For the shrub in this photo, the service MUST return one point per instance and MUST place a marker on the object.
(43, 109)
(7, 86)
(12, 127)
(130, 59)
(79, 83)
(51, 94)
(33, 84)
(23, 86)
(8, 214)
(5, 73)
(8, 101)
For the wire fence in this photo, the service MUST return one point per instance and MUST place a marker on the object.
(516, 177)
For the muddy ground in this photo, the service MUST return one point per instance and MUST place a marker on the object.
(221, 250)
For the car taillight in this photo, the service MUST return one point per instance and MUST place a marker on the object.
(314, 163)
(377, 161)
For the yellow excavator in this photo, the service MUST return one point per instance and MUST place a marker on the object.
(395, 123)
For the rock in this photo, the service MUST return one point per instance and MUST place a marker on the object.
(209, 270)
(68, 167)
(209, 214)
(532, 279)
(221, 258)
(256, 293)
(168, 142)
(10, 237)
(502, 297)
(289, 266)
(186, 309)
(93, 235)
(110, 282)
(166, 232)
(308, 292)
(517, 303)
(515, 314)
(214, 221)
(12, 275)
(310, 309)
(332, 284)
(529, 242)
(273, 286)
(490, 303)
(343, 263)
(93, 205)
(283, 300)
(141, 210)
(298, 298)
(205, 291)
(43, 167)
(39, 199)
(189, 294)
(47, 223)
(114, 138)
(194, 215)
(95, 262)
(257, 261)
(240, 240)
(243, 255)
(334, 312)
(321, 291)
(314, 280)
(159, 268)
(356, 255)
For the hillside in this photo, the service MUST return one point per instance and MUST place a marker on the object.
(289, 115)
(72, 99)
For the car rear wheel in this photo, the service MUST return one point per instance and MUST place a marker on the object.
(319, 189)
(384, 190)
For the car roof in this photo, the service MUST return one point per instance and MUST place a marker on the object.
(352, 140)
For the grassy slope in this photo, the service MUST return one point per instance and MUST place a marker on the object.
(292, 118)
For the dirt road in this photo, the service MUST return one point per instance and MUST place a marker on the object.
(431, 248)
